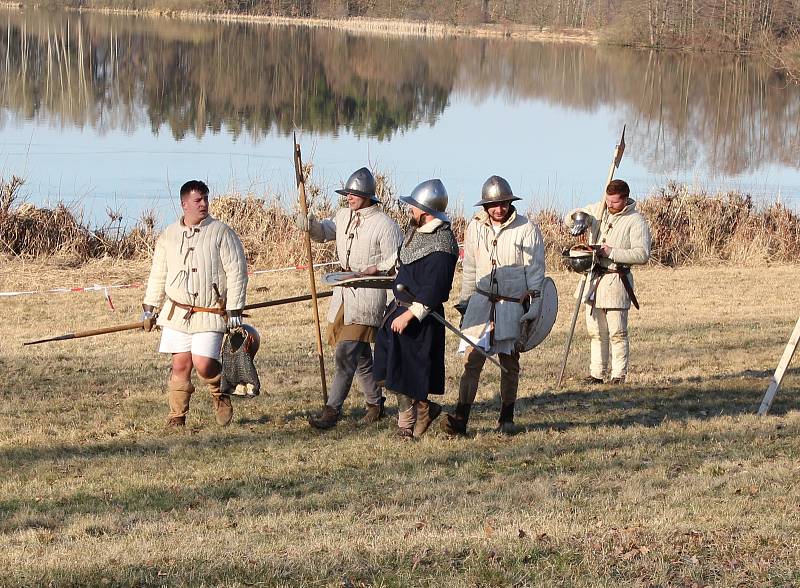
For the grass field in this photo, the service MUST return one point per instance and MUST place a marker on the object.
(668, 481)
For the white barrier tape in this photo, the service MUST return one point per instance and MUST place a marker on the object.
(286, 269)
(105, 288)
(95, 288)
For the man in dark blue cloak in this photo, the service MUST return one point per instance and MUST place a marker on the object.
(409, 349)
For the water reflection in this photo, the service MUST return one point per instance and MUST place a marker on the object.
(122, 73)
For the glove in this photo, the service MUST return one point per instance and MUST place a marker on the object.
(148, 317)
(234, 319)
(580, 222)
(533, 311)
(461, 307)
(304, 221)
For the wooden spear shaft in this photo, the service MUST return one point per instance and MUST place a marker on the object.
(301, 188)
(104, 331)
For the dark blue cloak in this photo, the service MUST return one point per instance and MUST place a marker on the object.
(412, 363)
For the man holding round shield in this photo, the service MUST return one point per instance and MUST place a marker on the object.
(500, 294)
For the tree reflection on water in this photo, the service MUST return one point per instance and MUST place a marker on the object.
(109, 73)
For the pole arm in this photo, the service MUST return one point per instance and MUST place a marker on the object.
(143, 325)
(301, 189)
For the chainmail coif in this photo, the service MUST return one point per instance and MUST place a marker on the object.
(417, 245)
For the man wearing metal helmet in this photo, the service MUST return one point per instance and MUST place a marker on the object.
(366, 239)
(503, 275)
(623, 239)
(409, 350)
(199, 275)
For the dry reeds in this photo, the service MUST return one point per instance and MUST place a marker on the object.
(29, 231)
(688, 227)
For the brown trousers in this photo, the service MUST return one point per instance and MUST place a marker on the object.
(473, 366)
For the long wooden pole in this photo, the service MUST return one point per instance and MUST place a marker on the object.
(142, 325)
(783, 364)
(301, 188)
(281, 301)
(587, 277)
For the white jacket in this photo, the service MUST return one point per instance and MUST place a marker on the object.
(519, 257)
(628, 234)
(363, 237)
(186, 262)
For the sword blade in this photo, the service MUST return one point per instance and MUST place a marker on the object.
(466, 339)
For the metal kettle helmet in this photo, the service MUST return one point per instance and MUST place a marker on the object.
(430, 196)
(361, 183)
(495, 190)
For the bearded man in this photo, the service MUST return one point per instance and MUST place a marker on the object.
(199, 275)
(500, 292)
(366, 242)
(409, 350)
(622, 237)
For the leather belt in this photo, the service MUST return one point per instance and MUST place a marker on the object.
(190, 310)
(624, 273)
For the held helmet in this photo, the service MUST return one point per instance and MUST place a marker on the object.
(361, 183)
(430, 196)
(579, 258)
(496, 189)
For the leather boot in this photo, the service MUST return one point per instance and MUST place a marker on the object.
(456, 423)
(375, 412)
(223, 409)
(427, 411)
(326, 420)
(178, 394)
(505, 424)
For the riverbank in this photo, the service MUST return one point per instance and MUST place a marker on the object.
(670, 480)
(361, 25)
(689, 227)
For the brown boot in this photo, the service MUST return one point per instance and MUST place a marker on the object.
(223, 409)
(178, 394)
(456, 424)
(326, 420)
(375, 412)
(427, 411)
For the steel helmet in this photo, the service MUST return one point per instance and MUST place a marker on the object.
(430, 196)
(579, 258)
(496, 189)
(361, 183)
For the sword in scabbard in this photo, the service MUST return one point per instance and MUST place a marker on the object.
(451, 327)
(145, 325)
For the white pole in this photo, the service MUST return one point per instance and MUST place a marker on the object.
(775, 382)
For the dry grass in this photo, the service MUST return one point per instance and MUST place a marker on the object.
(669, 481)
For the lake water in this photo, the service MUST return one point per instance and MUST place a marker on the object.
(116, 112)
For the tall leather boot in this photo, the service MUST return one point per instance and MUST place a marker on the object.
(456, 423)
(178, 394)
(509, 384)
(223, 409)
(505, 424)
(427, 411)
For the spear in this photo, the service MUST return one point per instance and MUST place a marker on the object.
(587, 278)
(145, 325)
(301, 188)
